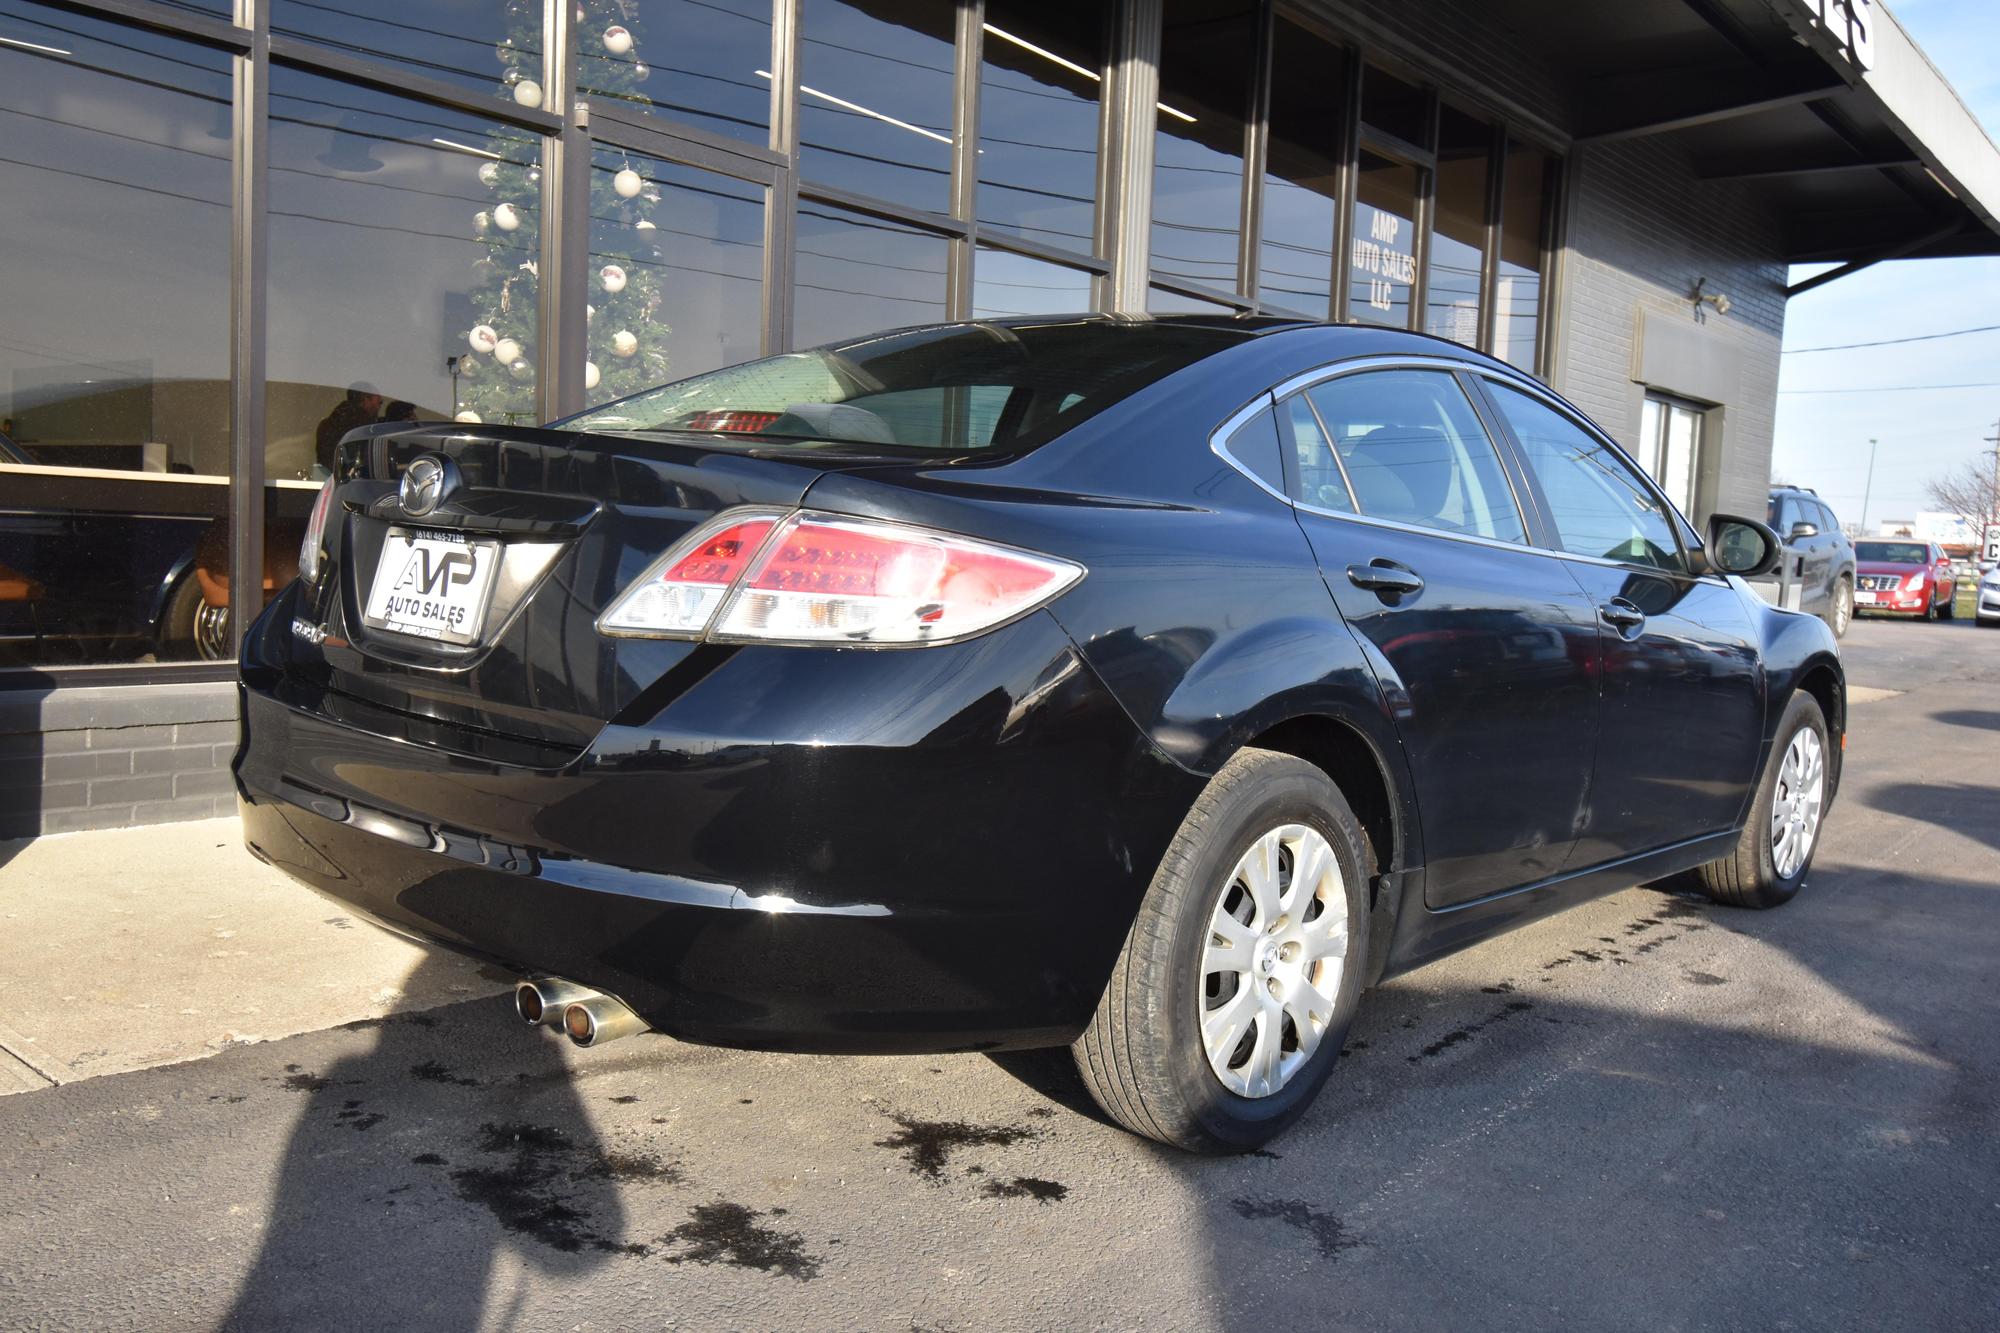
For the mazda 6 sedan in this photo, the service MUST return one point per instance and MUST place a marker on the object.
(1151, 687)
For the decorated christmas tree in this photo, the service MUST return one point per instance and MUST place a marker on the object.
(627, 343)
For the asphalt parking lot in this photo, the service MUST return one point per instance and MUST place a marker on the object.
(1648, 1113)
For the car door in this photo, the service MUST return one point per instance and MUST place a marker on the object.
(1482, 643)
(1680, 678)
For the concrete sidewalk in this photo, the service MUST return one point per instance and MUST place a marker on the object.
(147, 946)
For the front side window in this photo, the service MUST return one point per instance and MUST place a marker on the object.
(1599, 505)
(1409, 448)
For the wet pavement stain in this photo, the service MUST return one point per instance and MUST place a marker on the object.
(354, 1117)
(298, 1080)
(429, 1159)
(432, 1071)
(1329, 1236)
(929, 1144)
(535, 1194)
(626, 1100)
(1707, 979)
(1027, 1187)
(1460, 1035)
(728, 1233)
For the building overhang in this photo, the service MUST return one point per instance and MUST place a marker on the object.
(1824, 110)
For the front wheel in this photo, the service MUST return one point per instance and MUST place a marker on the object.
(1782, 833)
(1841, 614)
(1232, 997)
(1948, 608)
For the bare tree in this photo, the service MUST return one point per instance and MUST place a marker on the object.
(1970, 490)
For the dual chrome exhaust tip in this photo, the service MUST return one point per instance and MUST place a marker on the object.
(583, 1015)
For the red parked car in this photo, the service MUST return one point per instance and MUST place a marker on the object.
(1907, 578)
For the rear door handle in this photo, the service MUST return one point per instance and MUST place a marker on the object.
(1621, 614)
(1385, 579)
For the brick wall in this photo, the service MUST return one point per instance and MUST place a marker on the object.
(89, 757)
(1642, 230)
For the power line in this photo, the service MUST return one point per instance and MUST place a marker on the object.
(1901, 388)
(1890, 342)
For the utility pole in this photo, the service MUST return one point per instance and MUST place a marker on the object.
(1868, 489)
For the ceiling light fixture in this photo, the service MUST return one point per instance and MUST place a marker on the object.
(859, 109)
(35, 46)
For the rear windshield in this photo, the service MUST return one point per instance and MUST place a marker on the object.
(1893, 553)
(951, 388)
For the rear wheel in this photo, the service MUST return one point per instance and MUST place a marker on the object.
(1229, 1004)
(1782, 833)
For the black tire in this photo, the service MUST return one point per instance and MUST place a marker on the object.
(1142, 1056)
(1748, 876)
(1840, 613)
(175, 641)
(1948, 608)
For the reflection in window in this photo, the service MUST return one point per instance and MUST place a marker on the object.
(1321, 482)
(1160, 301)
(702, 62)
(875, 85)
(857, 274)
(1599, 506)
(114, 219)
(1006, 284)
(1413, 450)
(1383, 262)
(1302, 178)
(1458, 228)
(676, 273)
(477, 42)
(1517, 295)
(1207, 53)
(1039, 80)
(401, 235)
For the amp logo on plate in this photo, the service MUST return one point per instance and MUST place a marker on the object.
(431, 571)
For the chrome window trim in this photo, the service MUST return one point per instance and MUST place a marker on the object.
(1507, 375)
(1218, 442)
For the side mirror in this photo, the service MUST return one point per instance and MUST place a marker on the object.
(1802, 530)
(1743, 546)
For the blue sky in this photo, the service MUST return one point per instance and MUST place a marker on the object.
(1822, 438)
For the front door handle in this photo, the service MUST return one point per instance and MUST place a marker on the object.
(1621, 615)
(1385, 579)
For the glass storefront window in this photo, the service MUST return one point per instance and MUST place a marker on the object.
(703, 62)
(1517, 294)
(1207, 54)
(1383, 262)
(1040, 72)
(677, 269)
(875, 85)
(1395, 106)
(476, 42)
(857, 274)
(114, 374)
(1006, 284)
(1458, 228)
(1302, 174)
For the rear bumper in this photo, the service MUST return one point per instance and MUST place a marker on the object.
(791, 855)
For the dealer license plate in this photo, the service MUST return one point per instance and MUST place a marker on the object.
(433, 585)
(1865, 598)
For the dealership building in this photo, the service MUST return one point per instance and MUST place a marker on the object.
(233, 230)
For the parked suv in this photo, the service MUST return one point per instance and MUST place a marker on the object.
(1817, 555)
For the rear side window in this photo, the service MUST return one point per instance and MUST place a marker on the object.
(1409, 447)
(1827, 522)
(1599, 505)
(1321, 483)
(1255, 447)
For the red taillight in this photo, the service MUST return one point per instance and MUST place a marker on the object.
(312, 549)
(824, 578)
(679, 595)
(728, 422)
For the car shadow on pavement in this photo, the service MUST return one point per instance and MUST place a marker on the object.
(1964, 808)
(363, 1204)
(1986, 719)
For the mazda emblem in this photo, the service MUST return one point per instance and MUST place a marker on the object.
(427, 482)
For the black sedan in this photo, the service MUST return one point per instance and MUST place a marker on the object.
(1148, 686)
